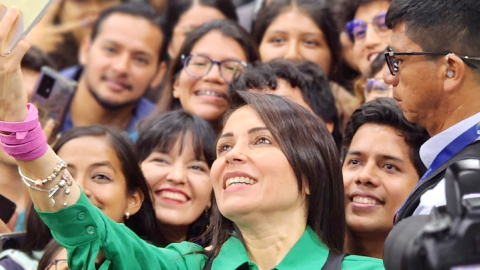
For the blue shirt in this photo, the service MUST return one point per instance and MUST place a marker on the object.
(143, 108)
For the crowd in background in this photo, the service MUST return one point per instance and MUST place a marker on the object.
(170, 95)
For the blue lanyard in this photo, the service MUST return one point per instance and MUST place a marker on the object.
(451, 150)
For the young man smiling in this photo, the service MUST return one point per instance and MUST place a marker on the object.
(121, 61)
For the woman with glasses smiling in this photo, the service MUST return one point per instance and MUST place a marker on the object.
(209, 58)
(365, 23)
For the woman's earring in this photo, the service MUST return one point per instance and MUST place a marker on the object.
(127, 215)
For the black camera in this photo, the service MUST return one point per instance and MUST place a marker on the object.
(448, 238)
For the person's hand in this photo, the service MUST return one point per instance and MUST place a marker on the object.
(13, 99)
(10, 226)
(46, 35)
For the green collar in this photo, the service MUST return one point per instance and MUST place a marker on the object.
(309, 253)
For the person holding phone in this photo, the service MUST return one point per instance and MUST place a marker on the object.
(116, 72)
(270, 184)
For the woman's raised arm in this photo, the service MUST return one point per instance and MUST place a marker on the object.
(35, 159)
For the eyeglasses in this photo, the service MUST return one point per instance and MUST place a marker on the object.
(394, 64)
(358, 28)
(197, 66)
(378, 86)
(55, 263)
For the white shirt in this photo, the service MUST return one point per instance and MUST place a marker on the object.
(429, 151)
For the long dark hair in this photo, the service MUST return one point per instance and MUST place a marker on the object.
(311, 151)
(51, 251)
(161, 134)
(144, 222)
(318, 10)
(227, 28)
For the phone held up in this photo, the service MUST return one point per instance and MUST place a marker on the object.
(31, 12)
(52, 96)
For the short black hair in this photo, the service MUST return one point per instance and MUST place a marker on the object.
(135, 9)
(35, 59)
(345, 11)
(439, 25)
(384, 111)
(318, 10)
(307, 76)
(176, 8)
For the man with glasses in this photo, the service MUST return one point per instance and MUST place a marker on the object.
(433, 66)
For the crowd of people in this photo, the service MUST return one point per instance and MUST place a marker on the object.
(233, 134)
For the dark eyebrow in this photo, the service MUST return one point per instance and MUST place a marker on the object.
(250, 131)
(257, 129)
(137, 52)
(103, 164)
(228, 134)
(391, 158)
(388, 157)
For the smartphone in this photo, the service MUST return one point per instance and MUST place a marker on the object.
(7, 208)
(52, 96)
(31, 12)
(11, 240)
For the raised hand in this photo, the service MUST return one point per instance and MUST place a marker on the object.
(13, 98)
(46, 35)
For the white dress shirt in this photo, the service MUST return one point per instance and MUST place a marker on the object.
(429, 151)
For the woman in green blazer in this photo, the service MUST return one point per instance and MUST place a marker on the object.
(277, 184)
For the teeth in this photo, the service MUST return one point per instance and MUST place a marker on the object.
(209, 93)
(364, 200)
(173, 196)
(239, 181)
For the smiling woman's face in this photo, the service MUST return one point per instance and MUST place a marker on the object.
(207, 96)
(98, 171)
(180, 183)
(252, 177)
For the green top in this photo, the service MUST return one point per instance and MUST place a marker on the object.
(83, 229)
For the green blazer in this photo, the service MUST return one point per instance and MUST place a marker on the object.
(83, 230)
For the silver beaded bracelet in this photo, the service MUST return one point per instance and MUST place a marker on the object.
(64, 183)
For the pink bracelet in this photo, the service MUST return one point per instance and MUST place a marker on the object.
(26, 141)
(11, 139)
(22, 128)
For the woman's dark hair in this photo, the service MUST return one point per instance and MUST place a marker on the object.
(144, 222)
(307, 76)
(50, 252)
(228, 29)
(384, 111)
(317, 10)
(162, 132)
(37, 233)
(176, 8)
(376, 66)
(311, 152)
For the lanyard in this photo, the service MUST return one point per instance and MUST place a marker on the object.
(451, 150)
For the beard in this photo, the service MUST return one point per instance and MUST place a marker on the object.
(107, 104)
